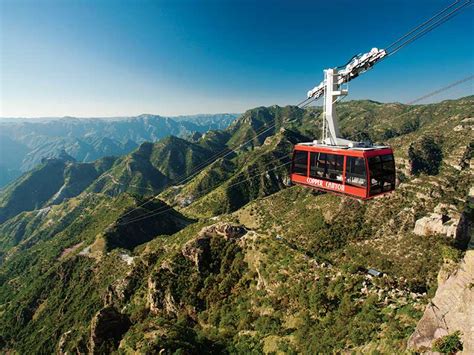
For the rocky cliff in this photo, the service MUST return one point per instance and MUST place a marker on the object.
(451, 309)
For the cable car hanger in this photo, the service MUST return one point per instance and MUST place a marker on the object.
(335, 164)
(332, 88)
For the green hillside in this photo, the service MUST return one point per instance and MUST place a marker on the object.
(24, 143)
(50, 183)
(123, 255)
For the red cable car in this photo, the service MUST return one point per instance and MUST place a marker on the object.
(358, 172)
(338, 165)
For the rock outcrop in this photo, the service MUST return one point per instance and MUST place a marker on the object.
(444, 220)
(196, 248)
(467, 124)
(191, 262)
(460, 158)
(159, 298)
(120, 290)
(452, 308)
(65, 337)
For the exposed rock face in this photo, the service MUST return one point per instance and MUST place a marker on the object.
(160, 299)
(120, 291)
(197, 251)
(467, 124)
(226, 230)
(460, 159)
(444, 220)
(452, 308)
(195, 248)
(434, 224)
(107, 328)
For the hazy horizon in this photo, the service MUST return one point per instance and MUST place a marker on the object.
(118, 117)
(431, 100)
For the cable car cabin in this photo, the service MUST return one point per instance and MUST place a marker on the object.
(358, 172)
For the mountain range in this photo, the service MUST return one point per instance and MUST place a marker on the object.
(200, 244)
(25, 142)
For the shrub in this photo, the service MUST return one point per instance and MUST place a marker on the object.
(410, 126)
(425, 156)
(389, 133)
(450, 253)
(449, 344)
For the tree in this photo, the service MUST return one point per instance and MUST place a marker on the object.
(425, 156)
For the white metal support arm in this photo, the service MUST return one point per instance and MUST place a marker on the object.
(331, 88)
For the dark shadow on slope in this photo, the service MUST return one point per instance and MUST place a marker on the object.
(33, 189)
(464, 232)
(143, 224)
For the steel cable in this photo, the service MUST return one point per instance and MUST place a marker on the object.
(196, 170)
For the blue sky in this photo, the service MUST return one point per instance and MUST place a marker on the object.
(116, 58)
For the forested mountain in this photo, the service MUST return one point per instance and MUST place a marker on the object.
(199, 244)
(25, 142)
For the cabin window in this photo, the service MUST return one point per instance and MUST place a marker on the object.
(318, 165)
(335, 167)
(300, 163)
(327, 166)
(355, 172)
(382, 174)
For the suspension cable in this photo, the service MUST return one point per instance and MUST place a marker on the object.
(202, 193)
(141, 205)
(228, 152)
(456, 83)
(196, 170)
(431, 27)
(438, 91)
(421, 25)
